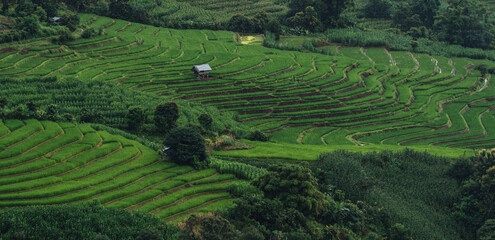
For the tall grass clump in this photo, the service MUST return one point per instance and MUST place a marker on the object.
(358, 37)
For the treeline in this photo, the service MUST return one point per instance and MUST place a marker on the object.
(461, 22)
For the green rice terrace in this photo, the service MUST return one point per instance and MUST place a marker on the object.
(47, 163)
(489, 5)
(357, 96)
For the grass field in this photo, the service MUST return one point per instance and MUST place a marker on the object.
(44, 163)
(355, 96)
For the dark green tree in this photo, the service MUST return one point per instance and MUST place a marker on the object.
(427, 10)
(186, 147)
(31, 106)
(465, 22)
(70, 20)
(30, 25)
(328, 12)
(91, 115)
(5, 6)
(208, 227)
(295, 187)
(259, 21)
(52, 112)
(135, 118)
(166, 116)
(3, 102)
(274, 27)
(378, 9)
(206, 121)
(308, 19)
(258, 136)
(240, 23)
(487, 231)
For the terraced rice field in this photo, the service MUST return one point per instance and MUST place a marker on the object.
(43, 163)
(489, 5)
(222, 10)
(358, 96)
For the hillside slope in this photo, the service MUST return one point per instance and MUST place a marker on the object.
(357, 96)
(45, 163)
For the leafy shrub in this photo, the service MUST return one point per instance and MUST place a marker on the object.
(89, 33)
(186, 147)
(258, 136)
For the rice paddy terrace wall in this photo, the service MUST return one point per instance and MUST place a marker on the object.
(43, 162)
(357, 96)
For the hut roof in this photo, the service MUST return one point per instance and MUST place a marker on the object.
(202, 68)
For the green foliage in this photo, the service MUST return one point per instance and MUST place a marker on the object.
(89, 33)
(328, 12)
(166, 116)
(70, 20)
(378, 9)
(80, 222)
(259, 23)
(295, 187)
(34, 19)
(207, 227)
(400, 232)
(465, 23)
(258, 136)
(135, 118)
(206, 121)
(308, 19)
(186, 147)
(487, 231)
(400, 184)
(476, 208)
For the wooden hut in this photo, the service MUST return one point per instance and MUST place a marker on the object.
(202, 71)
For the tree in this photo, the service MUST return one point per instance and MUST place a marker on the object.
(427, 10)
(91, 115)
(239, 23)
(274, 27)
(30, 25)
(328, 12)
(295, 187)
(52, 112)
(487, 231)
(206, 121)
(186, 147)
(5, 6)
(259, 22)
(3, 102)
(465, 22)
(166, 116)
(307, 20)
(70, 20)
(378, 9)
(135, 118)
(207, 227)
